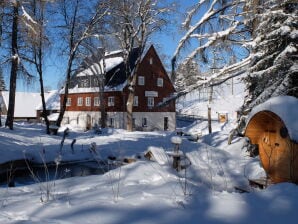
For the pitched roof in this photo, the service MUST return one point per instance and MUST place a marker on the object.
(52, 99)
(25, 103)
(115, 79)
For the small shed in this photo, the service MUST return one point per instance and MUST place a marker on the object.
(222, 116)
(273, 127)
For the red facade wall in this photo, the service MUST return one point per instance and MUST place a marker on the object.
(151, 72)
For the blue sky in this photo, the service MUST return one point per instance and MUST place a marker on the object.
(165, 41)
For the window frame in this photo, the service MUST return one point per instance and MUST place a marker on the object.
(80, 101)
(151, 61)
(159, 82)
(68, 102)
(111, 101)
(136, 101)
(88, 101)
(141, 80)
(96, 101)
(150, 101)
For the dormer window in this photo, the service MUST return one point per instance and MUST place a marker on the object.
(85, 83)
(96, 82)
(141, 80)
(160, 82)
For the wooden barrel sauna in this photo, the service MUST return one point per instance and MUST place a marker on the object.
(278, 153)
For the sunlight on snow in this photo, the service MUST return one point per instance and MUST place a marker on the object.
(227, 207)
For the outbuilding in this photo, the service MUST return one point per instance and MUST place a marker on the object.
(273, 127)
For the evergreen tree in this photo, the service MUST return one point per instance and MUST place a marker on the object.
(187, 74)
(273, 69)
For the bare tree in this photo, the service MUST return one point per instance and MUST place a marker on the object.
(78, 27)
(97, 65)
(14, 65)
(37, 42)
(18, 60)
(133, 23)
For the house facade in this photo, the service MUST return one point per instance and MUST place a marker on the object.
(153, 86)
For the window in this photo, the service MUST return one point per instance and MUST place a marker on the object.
(151, 61)
(141, 80)
(135, 101)
(95, 81)
(160, 82)
(88, 101)
(144, 122)
(85, 83)
(96, 101)
(111, 122)
(80, 101)
(111, 101)
(150, 101)
(68, 102)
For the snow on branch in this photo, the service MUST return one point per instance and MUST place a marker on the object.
(210, 13)
(29, 22)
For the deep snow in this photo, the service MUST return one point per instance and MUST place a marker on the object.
(145, 191)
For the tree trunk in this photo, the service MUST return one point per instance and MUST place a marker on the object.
(209, 120)
(129, 104)
(103, 115)
(14, 68)
(64, 100)
(40, 73)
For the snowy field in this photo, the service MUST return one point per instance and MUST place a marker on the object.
(145, 191)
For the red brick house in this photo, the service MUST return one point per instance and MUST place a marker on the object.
(153, 86)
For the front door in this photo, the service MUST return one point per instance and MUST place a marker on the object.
(165, 123)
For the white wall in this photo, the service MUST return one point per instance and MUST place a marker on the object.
(155, 120)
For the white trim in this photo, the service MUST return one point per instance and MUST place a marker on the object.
(80, 101)
(88, 101)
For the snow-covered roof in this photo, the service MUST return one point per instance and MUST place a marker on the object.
(53, 117)
(286, 107)
(97, 67)
(78, 89)
(52, 99)
(25, 103)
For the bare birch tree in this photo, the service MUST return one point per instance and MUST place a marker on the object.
(133, 23)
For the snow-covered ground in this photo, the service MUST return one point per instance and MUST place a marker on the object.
(144, 191)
